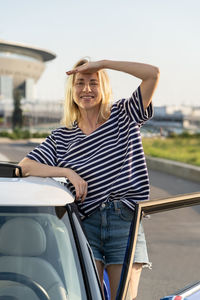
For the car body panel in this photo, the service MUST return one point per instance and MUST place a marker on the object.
(33, 191)
(191, 292)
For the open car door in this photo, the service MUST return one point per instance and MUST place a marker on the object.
(144, 208)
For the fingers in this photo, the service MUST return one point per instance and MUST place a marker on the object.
(84, 195)
(71, 72)
(80, 185)
(81, 68)
(89, 67)
(81, 190)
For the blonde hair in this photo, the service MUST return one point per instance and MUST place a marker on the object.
(71, 110)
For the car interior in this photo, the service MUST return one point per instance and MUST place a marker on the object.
(22, 246)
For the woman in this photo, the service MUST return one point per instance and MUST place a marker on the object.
(99, 151)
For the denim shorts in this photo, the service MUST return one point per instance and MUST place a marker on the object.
(107, 230)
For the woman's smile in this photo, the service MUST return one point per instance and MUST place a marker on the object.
(86, 90)
(87, 97)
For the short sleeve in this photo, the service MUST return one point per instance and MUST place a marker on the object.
(133, 106)
(46, 152)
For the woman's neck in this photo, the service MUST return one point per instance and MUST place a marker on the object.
(89, 121)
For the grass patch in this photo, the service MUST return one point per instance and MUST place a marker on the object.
(22, 134)
(183, 149)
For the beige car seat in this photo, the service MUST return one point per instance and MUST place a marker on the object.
(22, 242)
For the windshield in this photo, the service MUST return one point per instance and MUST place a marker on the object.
(37, 246)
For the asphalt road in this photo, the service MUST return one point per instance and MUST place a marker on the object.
(173, 238)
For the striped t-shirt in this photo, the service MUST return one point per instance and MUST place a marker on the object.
(110, 159)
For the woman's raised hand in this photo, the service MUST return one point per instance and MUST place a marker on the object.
(81, 186)
(89, 67)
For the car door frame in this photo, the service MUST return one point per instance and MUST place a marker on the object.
(87, 262)
(142, 209)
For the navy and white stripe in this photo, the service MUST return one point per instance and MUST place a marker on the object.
(111, 159)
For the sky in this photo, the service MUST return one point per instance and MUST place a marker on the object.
(164, 33)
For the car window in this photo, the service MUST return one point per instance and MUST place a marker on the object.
(41, 247)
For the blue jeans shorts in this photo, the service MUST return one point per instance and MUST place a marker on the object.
(107, 231)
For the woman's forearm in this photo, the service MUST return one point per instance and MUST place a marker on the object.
(147, 73)
(34, 168)
(139, 70)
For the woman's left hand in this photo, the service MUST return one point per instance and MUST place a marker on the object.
(89, 67)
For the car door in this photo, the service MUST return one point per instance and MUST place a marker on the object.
(144, 208)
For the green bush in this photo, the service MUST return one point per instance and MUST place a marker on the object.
(4, 134)
(40, 135)
(186, 134)
(18, 133)
(172, 135)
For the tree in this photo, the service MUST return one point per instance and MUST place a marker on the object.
(17, 118)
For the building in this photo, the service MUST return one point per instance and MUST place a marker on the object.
(176, 119)
(20, 68)
(42, 115)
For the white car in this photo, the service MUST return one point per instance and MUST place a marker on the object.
(44, 253)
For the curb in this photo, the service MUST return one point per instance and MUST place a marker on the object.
(175, 168)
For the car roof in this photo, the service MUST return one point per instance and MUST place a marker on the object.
(33, 191)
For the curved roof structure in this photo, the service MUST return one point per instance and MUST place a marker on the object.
(19, 63)
(44, 54)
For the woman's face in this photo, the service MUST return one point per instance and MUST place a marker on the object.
(87, 91)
